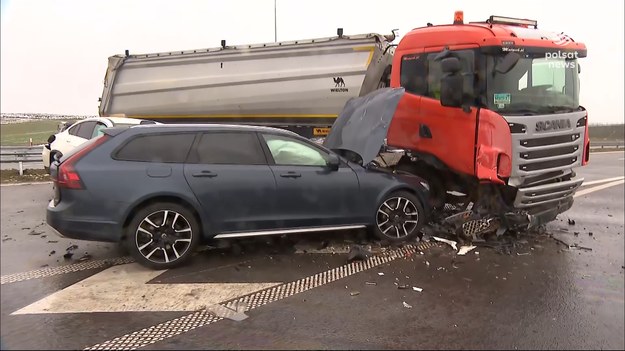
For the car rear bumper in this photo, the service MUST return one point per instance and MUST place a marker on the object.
(60, 218)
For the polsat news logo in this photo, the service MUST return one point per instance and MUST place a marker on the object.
(562, 59)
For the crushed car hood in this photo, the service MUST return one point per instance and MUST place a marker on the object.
(362, 125)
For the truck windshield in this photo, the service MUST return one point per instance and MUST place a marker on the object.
(535, 85)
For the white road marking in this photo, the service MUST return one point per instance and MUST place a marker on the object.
(599, 187)
(64, 269)
(602, 181)
(607, 153)
(124, 289)
(150, 335)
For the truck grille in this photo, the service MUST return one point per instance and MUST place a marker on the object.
(545, 154)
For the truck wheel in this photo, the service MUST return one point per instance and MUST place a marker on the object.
(163, 235)
(437, 189)
(399, 217)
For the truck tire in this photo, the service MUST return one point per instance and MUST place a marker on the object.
(437, 189)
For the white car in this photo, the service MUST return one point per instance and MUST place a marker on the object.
(80, 132)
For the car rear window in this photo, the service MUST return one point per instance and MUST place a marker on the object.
(167, 148)
(229, 148)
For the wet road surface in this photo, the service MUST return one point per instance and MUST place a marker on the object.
(543, 294)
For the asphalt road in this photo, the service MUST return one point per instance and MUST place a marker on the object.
(539, 294)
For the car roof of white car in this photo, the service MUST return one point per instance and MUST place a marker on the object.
(115, 120)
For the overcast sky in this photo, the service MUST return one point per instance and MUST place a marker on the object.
(54, 52)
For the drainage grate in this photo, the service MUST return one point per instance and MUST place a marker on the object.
(199, 319)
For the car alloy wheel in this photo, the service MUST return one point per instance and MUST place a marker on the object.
(163, 236)
(398, 216)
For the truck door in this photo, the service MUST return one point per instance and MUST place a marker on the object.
(444, 132)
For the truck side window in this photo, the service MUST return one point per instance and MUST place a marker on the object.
(412, 73)
(434, 72)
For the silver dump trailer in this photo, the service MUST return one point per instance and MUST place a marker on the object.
(297, 85)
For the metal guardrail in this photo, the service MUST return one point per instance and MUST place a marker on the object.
(619, 144)
(20, 155)
(13, 154)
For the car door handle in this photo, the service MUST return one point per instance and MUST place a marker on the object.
(290, 175)
(205, 174)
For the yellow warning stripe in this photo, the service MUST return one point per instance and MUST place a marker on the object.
(371, 49)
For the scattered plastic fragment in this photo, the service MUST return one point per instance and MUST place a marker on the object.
(380, 273)
(406, 305)
(464, 249)
(354, 293)
(449, 242)
(417, 289)
(371, 283)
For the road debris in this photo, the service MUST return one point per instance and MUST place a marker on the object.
(236, 314)
(380, 273)
(85, 257)
(577, 246)
(406, 305)
(354, 293)
(51, 253)
(33, 232)
(357, 253)
(449, 242)
(465, 249)
(590, 233)
(371, 283)
(417, 289)
(402, 286)
(68, 255)
(571, 221)
(523, 253)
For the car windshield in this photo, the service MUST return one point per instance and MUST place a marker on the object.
(537, 84)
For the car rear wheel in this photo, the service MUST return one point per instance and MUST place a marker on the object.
(399, 217)
(163, 235)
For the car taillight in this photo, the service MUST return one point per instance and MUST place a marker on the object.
(68, 177)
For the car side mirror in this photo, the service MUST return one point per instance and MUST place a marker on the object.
(333, 162)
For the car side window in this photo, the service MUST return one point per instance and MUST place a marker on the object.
(240, 148)
(73, 130)
(293, 152)
(165, 148)
(86, 130)
(413, 71)
(98, 129)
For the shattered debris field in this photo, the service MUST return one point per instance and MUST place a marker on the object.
(558, 287)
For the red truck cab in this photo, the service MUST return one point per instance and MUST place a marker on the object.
(492, 103)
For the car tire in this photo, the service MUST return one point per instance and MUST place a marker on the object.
(399, 217)
(163, 235)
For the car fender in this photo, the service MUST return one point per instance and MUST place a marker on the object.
(410, 183)
(188, 198)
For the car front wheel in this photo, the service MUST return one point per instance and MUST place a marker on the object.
(399, 217)
(163, 235)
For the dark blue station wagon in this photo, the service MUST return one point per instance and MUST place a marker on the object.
(162, 189)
